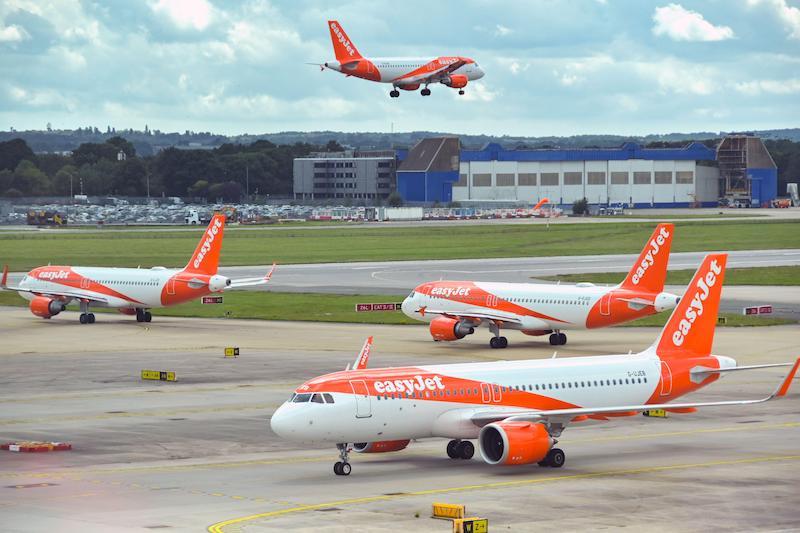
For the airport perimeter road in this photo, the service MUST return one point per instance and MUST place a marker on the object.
(197, 453)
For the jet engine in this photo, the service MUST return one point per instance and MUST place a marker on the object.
(380, 446)
(218, 283)
(46, 307)
(456, 81)
(514, 443)
(449, 329)
(665, 300)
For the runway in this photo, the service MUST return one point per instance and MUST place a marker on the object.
(199, 453)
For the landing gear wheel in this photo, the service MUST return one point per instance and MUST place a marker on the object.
(465, 450)
(562, 339)
(139, 315)
(558, 339)
(556, 458)
(394, 93)
(83, 319)
(425, 92)
(90, 318)
(345, 469)
(503, 342)
(148, 316)
(498, 342)
(337, 468)
(452, 449)
(461, 92)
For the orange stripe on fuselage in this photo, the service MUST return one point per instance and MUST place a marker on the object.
(66, 276)
(432, 67)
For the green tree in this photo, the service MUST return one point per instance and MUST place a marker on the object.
(61, 181)
(394, 200)
(580, 207)
(30, 180)
(13, 152)
(199, 189)
(129, 178)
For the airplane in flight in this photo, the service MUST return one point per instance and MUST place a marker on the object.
(407, 74)
(455, 308)
(132, 291)
(517, 410)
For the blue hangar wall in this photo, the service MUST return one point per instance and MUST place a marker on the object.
(418, 186)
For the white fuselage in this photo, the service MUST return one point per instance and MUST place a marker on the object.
(393, 69)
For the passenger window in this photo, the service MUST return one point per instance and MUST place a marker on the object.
(328, 398)
(317, 398)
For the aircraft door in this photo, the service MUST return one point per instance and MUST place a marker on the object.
(666, 379)
(486, 394)
(363, 404)
(497, 393)
(605, 304)
(171, 286)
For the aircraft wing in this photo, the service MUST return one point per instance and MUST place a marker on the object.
(475, 314)
(251, 282)
(487, 417)
(430, 76)
(59, 294)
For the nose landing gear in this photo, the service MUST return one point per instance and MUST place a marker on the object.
(343, 468)
(425, 92)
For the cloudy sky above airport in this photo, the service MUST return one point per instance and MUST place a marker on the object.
(552, 67)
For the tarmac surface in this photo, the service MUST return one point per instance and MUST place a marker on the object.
(199, 453)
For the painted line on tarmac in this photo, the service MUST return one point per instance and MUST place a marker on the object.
(219, 527)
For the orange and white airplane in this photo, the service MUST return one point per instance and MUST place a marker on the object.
(403, 73)
(455, 308)
(517, 410)
(133, 291)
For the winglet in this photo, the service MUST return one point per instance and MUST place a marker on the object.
(363, 355)
(4, 280)
(784, 388)
(269, 274)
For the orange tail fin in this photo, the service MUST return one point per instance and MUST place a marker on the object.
(206, 256)
(343, 47)
(649, 272)
(689, 332)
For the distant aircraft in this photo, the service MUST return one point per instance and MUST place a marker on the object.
(133, 291)
(517, 410)
(403, 73)
(455, 308)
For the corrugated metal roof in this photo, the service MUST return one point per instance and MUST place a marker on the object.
(494, 152)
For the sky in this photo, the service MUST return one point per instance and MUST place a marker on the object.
(555, 67)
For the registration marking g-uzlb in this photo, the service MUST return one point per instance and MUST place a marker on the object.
(695, 308)
(655, 246)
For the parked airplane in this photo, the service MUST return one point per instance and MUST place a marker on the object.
(133, 291)
(455, 308)
(403, 73)
(517, 409)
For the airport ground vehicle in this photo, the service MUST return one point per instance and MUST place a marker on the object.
(133, 291)
(517, 410)
(455, 308)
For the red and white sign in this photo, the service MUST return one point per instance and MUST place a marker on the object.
(365, 308)
(758, 310)
(211, 299)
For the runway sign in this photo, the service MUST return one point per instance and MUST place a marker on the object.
(655, 413)
(211, 299)
(448, 511)
(158, 375)
(471, 525)
(231, 352)
(758, 310)
(365, 308)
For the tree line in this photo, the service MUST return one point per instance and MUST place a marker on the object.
(113, 168)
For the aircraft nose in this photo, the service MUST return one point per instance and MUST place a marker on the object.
(408, 306)
(479, 73)
(280, 422)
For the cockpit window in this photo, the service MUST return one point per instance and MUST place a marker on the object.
(411, 295)
(317, 398)
(328, 397)
(292, 397)
(302, 398)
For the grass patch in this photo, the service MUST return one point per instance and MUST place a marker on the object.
(317, 245)
(777, 275)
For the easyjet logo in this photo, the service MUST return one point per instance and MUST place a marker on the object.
(656, 244)
(447, 60)
(53, 274)
(342, 39)
(447, 292)
(417, 383)
(696, 305)
(211, 234)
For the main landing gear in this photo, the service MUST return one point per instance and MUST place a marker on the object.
(555, 458)
(461, 92)
(558, 339)
(394, 93)
(425, 92)
(460, 449)
(342, 468)
(86, 317)
(497, 341)
(143, 315)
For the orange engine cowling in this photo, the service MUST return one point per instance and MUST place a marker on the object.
(127, 310)
(380, 446)
(456, 81)
(46, 307)
(449, 329)
(514, 443)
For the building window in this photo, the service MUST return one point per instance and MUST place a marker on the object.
(505, 180)
(384, 164)
(349, 164)
(320, 174)
(320, 165)
(663, 178)
(481, 180)
(619, 178)
(684, 177)
(642, 178)
(384, 175)
(462, 181)
(550, 178)
(596, 178)
(573, 178)
(383, 186)
(527, 178)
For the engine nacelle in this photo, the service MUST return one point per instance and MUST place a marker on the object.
(449, 329)
(218, 283)
(514, 443)
(665, 300)
(456, 81)
(45, 307)
(380, 446)
(127, 310)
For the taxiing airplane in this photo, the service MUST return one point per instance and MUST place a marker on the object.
(403, 73)
(517, 409)
(455, 308)
(133, 291)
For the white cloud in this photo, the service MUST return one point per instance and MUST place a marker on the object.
(185, 14)
(574, 72)
(756, 87)
(13, 34)
(516, 68)
(477, 92)
(678, 77)
(41, 98)
(790, 16)
(681, 24)
(70, 58)
(502, 31)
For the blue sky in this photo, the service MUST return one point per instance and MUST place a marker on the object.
(552, 67)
